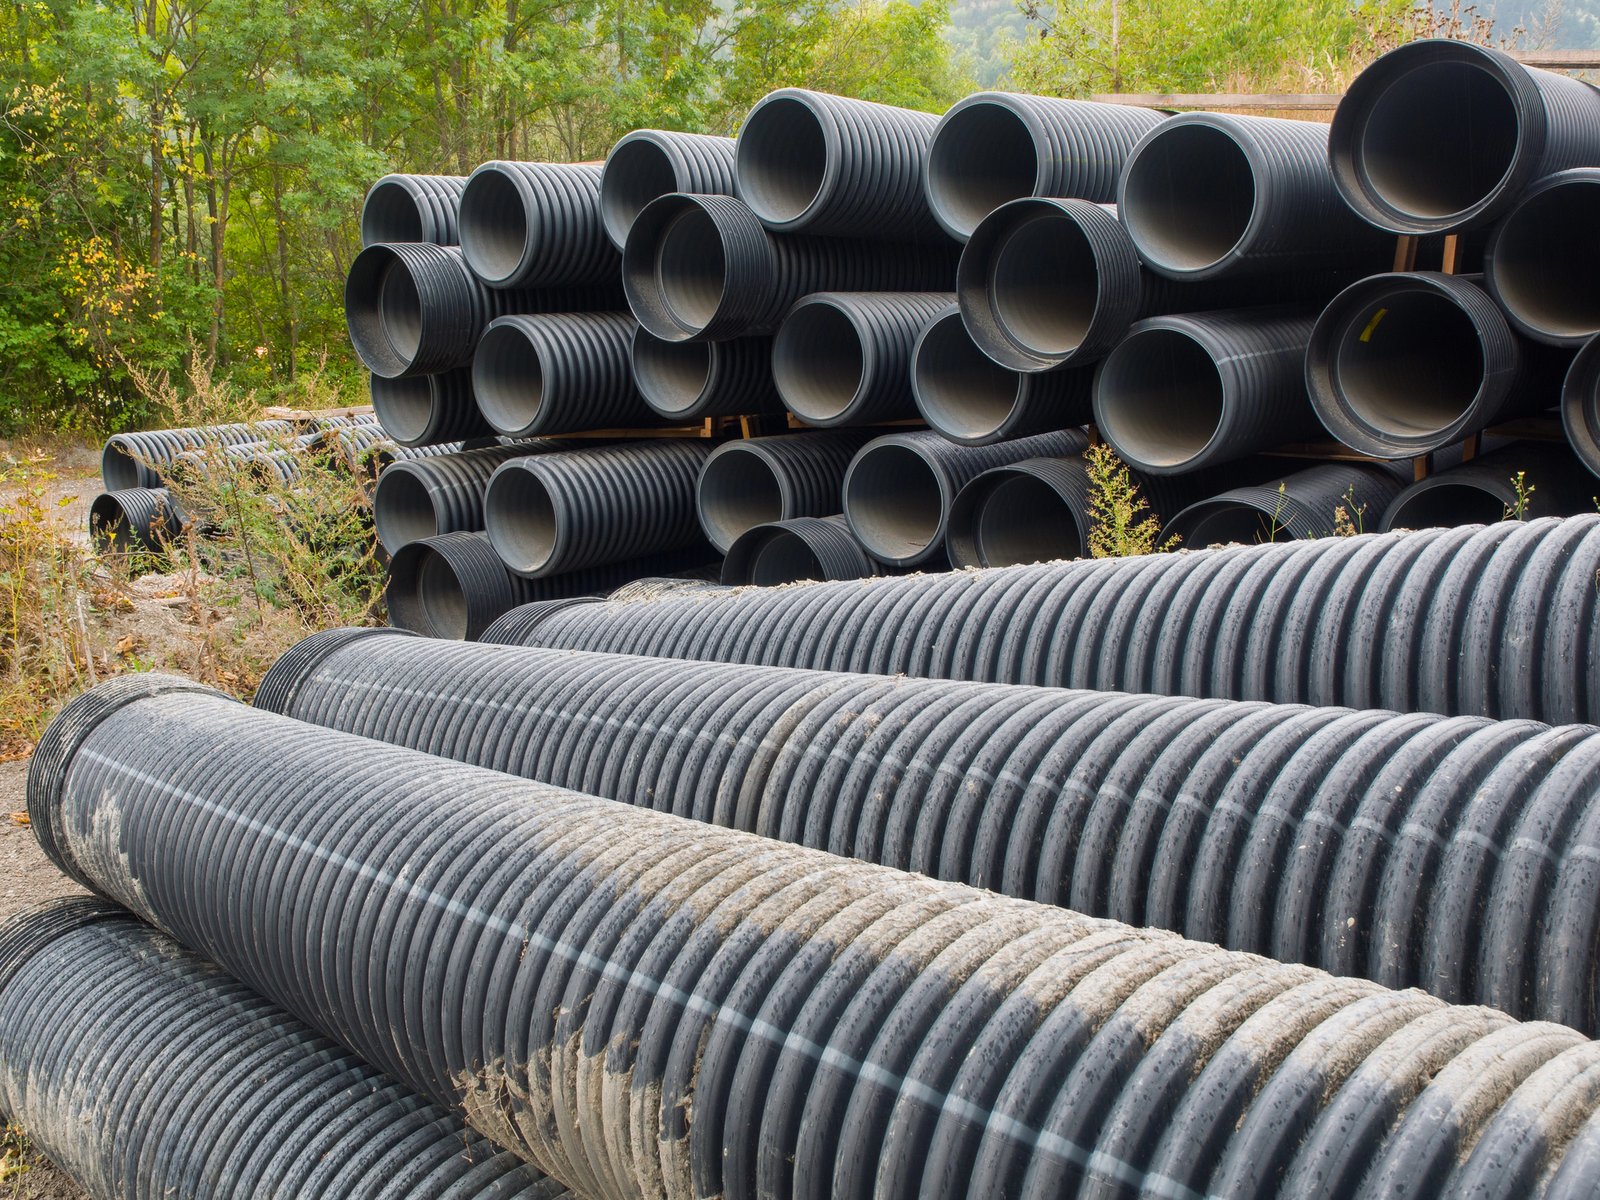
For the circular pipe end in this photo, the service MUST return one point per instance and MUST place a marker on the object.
(390, 213)
(493, 224)
(406, 408)
(1445, 502)
(1007, 517)
(639, 169)
(390, 328)
(673, 377)
(1542, 261)
(985, 152)
(960, 391)
(522, 521)
(403, 510)
(1188, 196)
(119, 468)
(508, 377)
(819, 362)
(895, 501)
(428, 588)
(1158, 399)
(785, 159)
(690, 265)
(1580, 404)
(737, 490)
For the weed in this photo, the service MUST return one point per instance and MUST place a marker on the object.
(1522, 492)
(1120, 521)
(1349, 518)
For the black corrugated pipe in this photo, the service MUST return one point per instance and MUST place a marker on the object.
(844, 358)
(643, 1005)
(552, 513)
(428, 495)
(702, 268)
(791, 551)
(971, 399)
(1485, 621)
(648, 163)
(1404, 363)
(1039, 510)
(1306, 504)
(1553, 483)
(1580, 404)
(133, 460)
(535, 225)
(685, 381)
(134, 519)
(1213, 194)
(455, 586)
(142, 1070)
(415, 309)
(994, 147)
(425, 410)
(559, 373)
(899, 487)
(905, 774)
(812, 163)
(755, 481)
(1440, 135)
(412, 208)
(1190, 390)
(1539, 263)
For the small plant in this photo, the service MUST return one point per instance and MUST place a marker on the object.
(1522, 495)
(1349, 517)
(1275, 524)
(1120, 521)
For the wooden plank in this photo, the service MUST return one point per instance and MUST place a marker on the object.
(1405, 253)
(1308, 102)
(1452, 253)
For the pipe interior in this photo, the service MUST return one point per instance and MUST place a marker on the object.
(404, 406)
(818, 362)
(1188, 196)
(118, 468)
(1230, 523)
(982, 157)
(1159, 398)
(637, 173)
(1024, 520)
(1408, 363)
(108, 522)
(521, 519)
(402, 509)
(390, 214)
(1438, 139)
(781, 159)
(784, 558)
(672, 376)
(690, 268)
(1044, 285)
(1547, 261)
(1448, 504)
(738, 490)
(961, 390)
(442, 598)
(493, 225)
(895, 503)
(508, 379)
(400, 311)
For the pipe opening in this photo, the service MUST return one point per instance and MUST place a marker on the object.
(400, 311)
(442, 598)
(981, 157)
(508, 379)
(784, 558)
(737, 490)
(403, 510)
(818, 362)
(1232, 523)
(690, 268)
(390, 214)
(960, 390)
(1159, 398)
(521, 518)
(1408, 363)
(781, 159)
(672, 376)
(1023, 520)
(493, 225)
(109, 526)
(119, 470)
(895, 502)
(1547, 261)
(1188, 196)
(404, 406)
(1044, 285)
(637, 172)
(1447, 504)
(1438, 140)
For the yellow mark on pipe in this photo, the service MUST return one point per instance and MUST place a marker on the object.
(1366, 334)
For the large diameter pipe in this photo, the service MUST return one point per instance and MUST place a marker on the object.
(1519, 481)
(686, 381)
(702, 268)
(807, 162)
(425, 410)
(903, 775)
(412, 208)
(425, 496)
(844, 358)
(755, 481)
(142, 1070)
(528, 225)
(1212, 194)
(792, 551)
(995, 147)
(1191, 390)
(134, 519)
(1401, 364)
(1319, 502)
(649, 163)
(552, 513)
(640, 1004)
(1440, 135)
(1580, 404)
(899, 488)
(558, 373)
(1540, 264)
(415, 309)
(973, 400)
